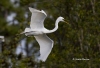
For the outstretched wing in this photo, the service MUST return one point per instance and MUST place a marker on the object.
(46, 45)
(37, 18)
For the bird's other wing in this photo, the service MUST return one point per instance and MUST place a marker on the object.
(37, 18)
(46, 45)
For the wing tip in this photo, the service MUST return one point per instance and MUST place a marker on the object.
(33, 9)
(43, 12)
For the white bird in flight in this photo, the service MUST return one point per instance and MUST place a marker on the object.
(39, 31)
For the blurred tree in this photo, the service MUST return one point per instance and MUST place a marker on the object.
(78, 40)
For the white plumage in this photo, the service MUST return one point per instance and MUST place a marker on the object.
(37, 18)
(46, 45)
(37, 29)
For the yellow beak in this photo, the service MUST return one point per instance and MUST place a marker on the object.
(66, 22)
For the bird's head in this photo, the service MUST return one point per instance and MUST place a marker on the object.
(62, 19)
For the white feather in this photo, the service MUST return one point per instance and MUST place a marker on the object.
(37, 19)
(46, 45)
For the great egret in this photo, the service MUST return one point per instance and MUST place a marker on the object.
(39, 31)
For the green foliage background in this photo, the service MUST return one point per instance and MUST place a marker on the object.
(78, 39)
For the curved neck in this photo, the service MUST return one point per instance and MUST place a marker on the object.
(56, 27)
